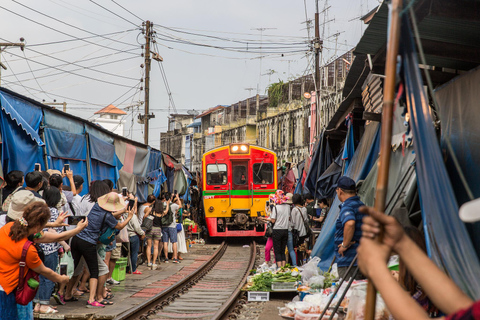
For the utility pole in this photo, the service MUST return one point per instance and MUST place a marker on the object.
(317, 47)
(8, 44)
(147, 78)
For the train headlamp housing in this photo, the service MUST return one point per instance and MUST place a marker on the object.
(240, 148)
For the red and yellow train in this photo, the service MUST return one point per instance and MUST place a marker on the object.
(237, 180)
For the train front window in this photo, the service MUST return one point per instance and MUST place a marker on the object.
(262, 173)
(217, 174)
(240, 175)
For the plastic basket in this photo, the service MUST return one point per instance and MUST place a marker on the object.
(120, 270)
(284, 286)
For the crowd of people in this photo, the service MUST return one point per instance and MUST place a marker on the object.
(49, 220)
(418, 289)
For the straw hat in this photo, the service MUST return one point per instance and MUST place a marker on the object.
(53, 171)
(288, 199)
(111, 202)
(20, 200)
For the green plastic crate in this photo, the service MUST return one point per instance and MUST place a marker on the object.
(120, 270)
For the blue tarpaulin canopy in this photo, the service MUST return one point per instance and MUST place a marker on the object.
(103, 160)
(65, 147)
(20, 123)
(447, 238)
(360, 165)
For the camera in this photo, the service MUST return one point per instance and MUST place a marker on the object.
(124, 191)
(131, 203)
(74, 220)
(66, 167)
(63, 268)
(37, 166)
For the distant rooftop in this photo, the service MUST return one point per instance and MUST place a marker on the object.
(111, 109)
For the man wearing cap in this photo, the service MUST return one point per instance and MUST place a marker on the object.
(348, 225)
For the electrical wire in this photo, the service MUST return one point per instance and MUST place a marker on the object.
(64, 33)
(77, 39)
(21, 83)
(69, 63)
(113, 13)
(165, 81)
(68, 24)
(133, 14)
(76, 74)
(30, 68)
(90, 14)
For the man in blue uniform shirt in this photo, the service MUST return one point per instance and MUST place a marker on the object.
(348, 225)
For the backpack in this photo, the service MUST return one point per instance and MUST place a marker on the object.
(167, 219)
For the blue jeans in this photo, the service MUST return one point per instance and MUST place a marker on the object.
(134, 247)
(8, 306)
(46, 286)
(24, 312)
(291, 250)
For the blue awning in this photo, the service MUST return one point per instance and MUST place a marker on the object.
(101, 150)
(61, 144)
(195, 124)
(13, 107)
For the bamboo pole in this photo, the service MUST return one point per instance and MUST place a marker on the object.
(386, 134)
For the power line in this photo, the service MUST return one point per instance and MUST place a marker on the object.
(64, 33)
(21, 83)
(79, 75)
(165, 81)
(113, 13)
(133, 14)
(77, 39)
(68, 24)
(68, 98)
(69, 63)
(84, 68)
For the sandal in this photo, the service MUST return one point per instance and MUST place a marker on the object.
(83, 291)
(59, 299)
(49, 310)
(94, 304)
(109, 296)
(105, 302)
(78, 293)
(73, 298)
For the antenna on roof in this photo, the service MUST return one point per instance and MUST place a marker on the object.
(193, 112)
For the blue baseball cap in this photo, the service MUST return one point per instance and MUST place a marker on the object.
(346, 183)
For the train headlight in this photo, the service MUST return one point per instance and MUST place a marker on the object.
(210, 209)
(239, 148)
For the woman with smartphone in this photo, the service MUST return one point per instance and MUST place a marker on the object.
(51, 251)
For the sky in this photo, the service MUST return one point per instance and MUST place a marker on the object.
(215, 52)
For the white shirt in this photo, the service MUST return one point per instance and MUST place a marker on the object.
(281, 214)
(174, 207)
(299, 214)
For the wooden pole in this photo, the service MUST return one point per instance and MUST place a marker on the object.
(386, 134)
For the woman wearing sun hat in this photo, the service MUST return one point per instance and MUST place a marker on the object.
(102, 216)
(280, 217)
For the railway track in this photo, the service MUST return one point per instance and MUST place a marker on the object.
(210, 292)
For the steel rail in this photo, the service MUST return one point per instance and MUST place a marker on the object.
(228, 306)
(149, 307)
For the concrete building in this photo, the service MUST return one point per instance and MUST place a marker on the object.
(110, 118)
(176, 141)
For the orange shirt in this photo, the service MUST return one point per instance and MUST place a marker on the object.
(10, 254)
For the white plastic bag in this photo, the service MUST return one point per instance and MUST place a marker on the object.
(310, 269)
(316, 282)
(334, 271)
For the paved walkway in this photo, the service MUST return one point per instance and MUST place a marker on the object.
(136, 289)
